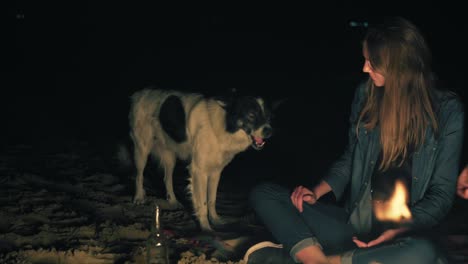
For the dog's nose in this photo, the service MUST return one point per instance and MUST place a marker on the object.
(267, 131)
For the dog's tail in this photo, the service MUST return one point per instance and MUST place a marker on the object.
(123, 158)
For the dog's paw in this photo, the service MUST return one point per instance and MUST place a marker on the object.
(139, 198)
(205, 227)
(169, 204)
(175, 205)
(223, 221)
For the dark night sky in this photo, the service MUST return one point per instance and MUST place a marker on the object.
(74, 65)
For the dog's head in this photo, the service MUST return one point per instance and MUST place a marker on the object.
(250, 114)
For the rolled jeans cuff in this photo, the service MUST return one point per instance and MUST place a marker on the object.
(311, 241)
(347, 257)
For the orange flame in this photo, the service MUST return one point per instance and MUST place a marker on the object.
(394, 209)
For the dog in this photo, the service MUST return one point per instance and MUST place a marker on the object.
(207, 132)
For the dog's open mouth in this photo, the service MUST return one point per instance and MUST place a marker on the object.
(257, 143)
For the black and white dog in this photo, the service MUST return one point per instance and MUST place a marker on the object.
(207, 132)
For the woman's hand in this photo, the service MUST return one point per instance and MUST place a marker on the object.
(302, 194)
(384, 237)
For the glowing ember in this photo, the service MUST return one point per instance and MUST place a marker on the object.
(394, 209)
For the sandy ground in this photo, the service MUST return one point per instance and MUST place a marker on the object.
(68, 204)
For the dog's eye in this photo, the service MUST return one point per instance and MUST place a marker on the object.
(251, 116)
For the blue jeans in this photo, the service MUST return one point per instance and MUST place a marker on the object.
(327, 226)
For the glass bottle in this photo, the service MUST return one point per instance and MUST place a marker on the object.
(157, 245)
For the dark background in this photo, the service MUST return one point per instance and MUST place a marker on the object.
(72, 66)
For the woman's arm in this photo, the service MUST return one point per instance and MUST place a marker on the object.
(440, 193)
(302, 194)
(321, 189)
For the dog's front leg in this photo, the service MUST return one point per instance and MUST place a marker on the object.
(141, 152)
(213, 184)
(199, 181)
(212, 192)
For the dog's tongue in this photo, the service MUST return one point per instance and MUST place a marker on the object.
(258, 140)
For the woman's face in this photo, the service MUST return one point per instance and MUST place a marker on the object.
(377, 78)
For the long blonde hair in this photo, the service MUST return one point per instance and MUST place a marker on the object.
(403, 107)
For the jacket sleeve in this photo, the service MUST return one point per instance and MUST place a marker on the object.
(338, 176)
(440, 192)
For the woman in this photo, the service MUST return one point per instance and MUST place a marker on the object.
(401, 129)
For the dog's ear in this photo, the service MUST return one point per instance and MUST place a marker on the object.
(222, 102)
(225, 99)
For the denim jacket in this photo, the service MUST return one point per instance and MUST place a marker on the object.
(435, 163)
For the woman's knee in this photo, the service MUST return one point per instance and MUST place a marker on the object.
(260, 191)
(416, 250)
(423, 250)
(264, 192)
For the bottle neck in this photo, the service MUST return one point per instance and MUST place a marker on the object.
(157, 220)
